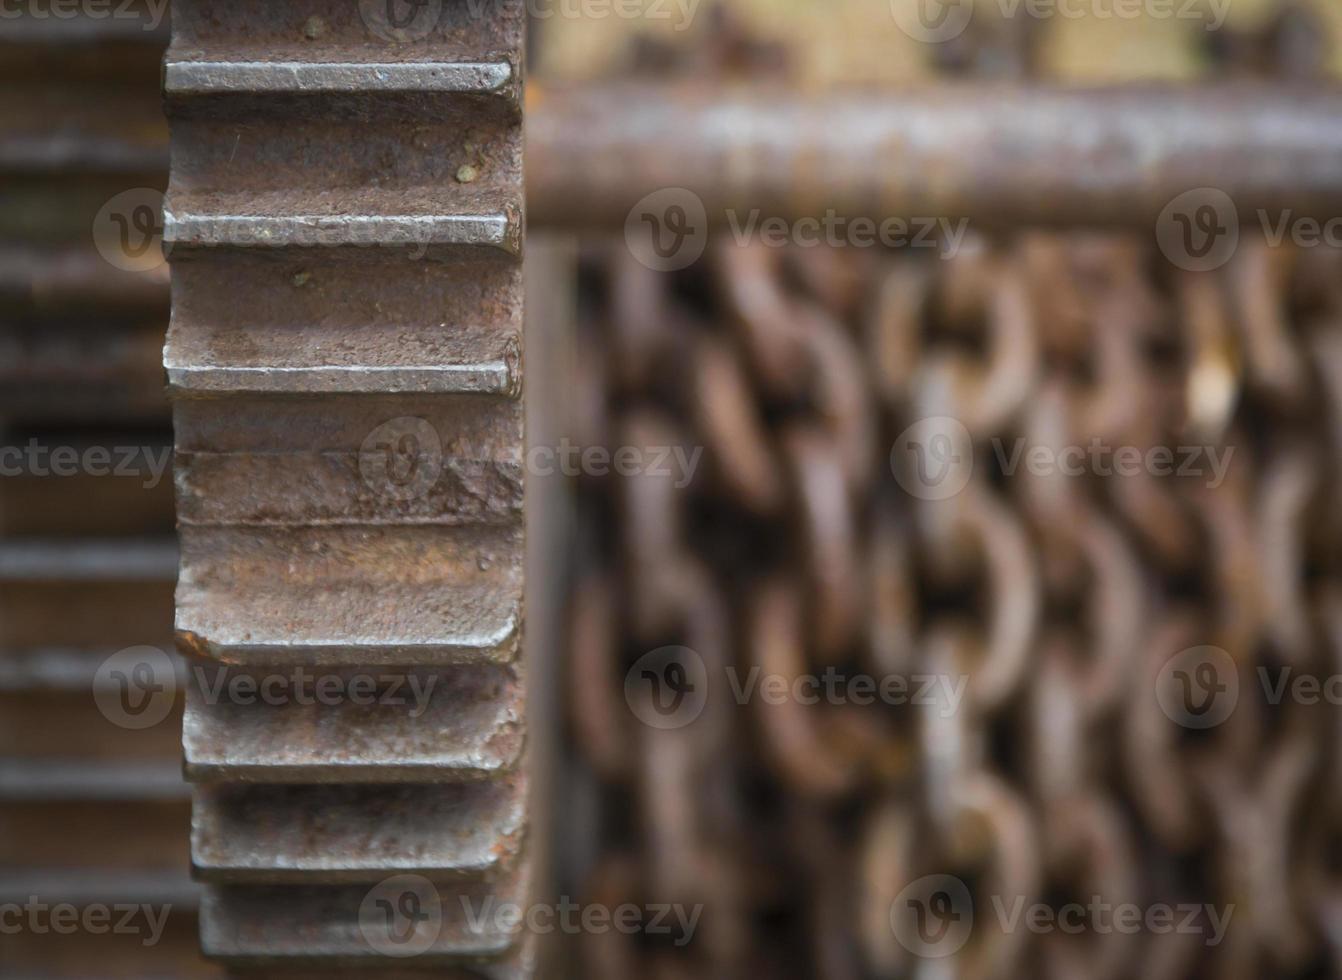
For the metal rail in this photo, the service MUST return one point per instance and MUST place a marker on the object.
(996, 154)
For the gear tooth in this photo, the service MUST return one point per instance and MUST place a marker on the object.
(352, 834)
(469, 728)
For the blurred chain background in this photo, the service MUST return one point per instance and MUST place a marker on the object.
(795, 549)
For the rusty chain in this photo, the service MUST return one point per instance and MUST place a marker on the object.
(1062, 600)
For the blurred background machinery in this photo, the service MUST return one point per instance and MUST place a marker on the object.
(90, 811)
(795, 549)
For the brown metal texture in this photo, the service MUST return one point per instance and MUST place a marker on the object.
(803, 547)
(997, 154)
(79, 127)
(345, 223)
(93, 814)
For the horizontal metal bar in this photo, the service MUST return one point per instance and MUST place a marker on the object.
(323, 229)
(88, 560)
(63, 669)
(489, 377)
(83, 887)
(140, 28)
(991, 153)
(204, 77)
(91, 780)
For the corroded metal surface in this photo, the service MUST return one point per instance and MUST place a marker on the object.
(268, 925)
(997, 154)
(435, 726)
(361, 834)
(345, 223)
